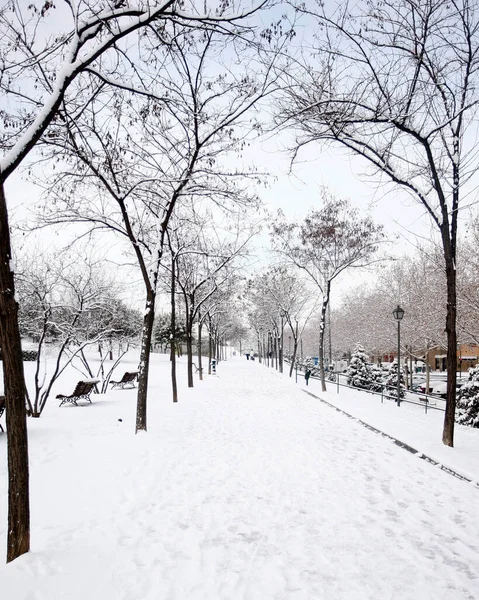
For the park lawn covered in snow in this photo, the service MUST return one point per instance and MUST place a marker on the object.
(249, 489)
(410, 424)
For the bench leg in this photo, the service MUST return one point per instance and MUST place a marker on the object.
(70, 400)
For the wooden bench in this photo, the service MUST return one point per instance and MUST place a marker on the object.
(197, 369)
(3, 403)
(128, 377)
(82, 391)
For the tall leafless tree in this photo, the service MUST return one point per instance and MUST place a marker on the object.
(149, 155)
(206, 258)
(328, 242)
(396, 84)
(41, 73)
(282, 295)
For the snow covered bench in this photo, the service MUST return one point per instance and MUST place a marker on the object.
(3, 403)
(82, 391)
(128, 377)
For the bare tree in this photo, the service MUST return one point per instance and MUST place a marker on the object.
(36, 78)
(281, 298)
(468, 288)
(66, 306)
(151, 155)
(396, 85)
(365, 315)
(206, 257)
(328, 242)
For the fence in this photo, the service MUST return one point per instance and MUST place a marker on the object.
(427, 400)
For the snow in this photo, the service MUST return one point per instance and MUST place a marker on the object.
(248, 488)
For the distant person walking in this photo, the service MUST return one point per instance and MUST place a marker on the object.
(307, 375)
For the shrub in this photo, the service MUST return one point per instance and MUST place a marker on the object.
(391, 382)
(359, 372)
(467, 406)
(27, 355)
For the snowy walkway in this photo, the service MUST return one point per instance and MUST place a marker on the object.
(247, 489)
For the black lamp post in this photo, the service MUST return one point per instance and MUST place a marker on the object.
(398, 314)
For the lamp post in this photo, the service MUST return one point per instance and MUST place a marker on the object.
(398, 314)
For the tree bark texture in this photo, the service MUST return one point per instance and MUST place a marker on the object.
(280, 352)
(18, 536)
(295, 348)
(210, 344)
(174, 385)
(449, 417)
(146, 335)
(189, 342)
(322, 326)
(200, 348)
(293, 358)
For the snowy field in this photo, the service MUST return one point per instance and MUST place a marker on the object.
(247, 489)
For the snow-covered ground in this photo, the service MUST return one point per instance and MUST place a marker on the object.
(409, 424)
(248, 489)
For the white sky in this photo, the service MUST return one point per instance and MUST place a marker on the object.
(346, 176)
(296, 193)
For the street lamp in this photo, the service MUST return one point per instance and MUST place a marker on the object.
(398, 314)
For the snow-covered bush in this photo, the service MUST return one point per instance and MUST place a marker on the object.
(391, 382)
(467, 406)
(377, 378)
(359, 370)
(27, 355)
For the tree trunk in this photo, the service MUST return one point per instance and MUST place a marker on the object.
(146, 335)
(295, 349)
(200, 348)
(210, 345)
(280, 352)
(293, 358)
(174, 385)
(449, 417)
(276, 351)
(410, 370)
(18, 533)
(322, 324)
(428, 370)
(189, 353)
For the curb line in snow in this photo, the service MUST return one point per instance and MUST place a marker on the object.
(399, 443)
